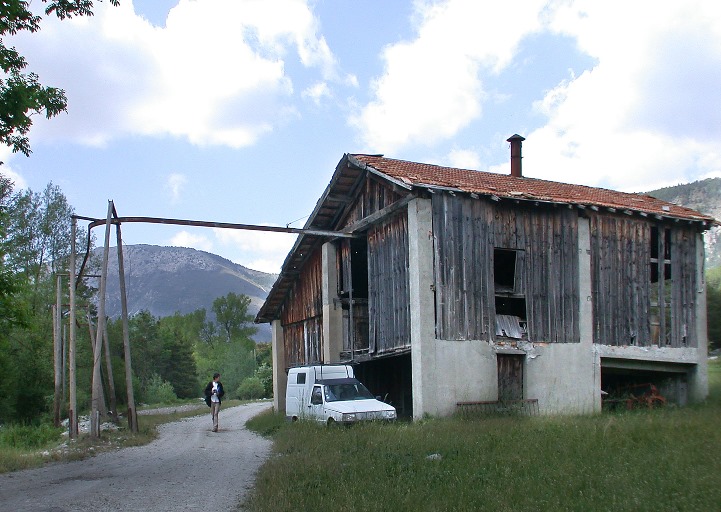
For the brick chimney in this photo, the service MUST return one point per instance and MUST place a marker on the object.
(516, 141)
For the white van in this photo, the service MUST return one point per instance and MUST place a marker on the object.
(331, 394)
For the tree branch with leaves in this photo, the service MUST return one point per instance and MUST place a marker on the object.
(21, 93)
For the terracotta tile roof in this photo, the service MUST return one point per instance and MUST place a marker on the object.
(507, 186)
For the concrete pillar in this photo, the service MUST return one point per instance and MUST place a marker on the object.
(698, 379)
(332, 311)
(423, 353)
(585, 306)
(280, 377)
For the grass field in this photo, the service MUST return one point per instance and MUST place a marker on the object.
(655, 460)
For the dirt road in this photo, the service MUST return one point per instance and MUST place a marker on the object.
(187, 468)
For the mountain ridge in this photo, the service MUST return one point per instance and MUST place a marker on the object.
(168, 280)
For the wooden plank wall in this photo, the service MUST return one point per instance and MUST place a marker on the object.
(683, 292)
(621, 281)
(467, 230)
(388, 286)
(374, 196)
(302, 312)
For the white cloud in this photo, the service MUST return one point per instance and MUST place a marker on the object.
(431, 87)
(317, 92)
(8, 171)
(647, 114)
(175, 184)
(215, 74)
(259, 250)
(464, 159)
(186, 239)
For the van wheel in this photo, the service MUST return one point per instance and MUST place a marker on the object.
(294, 418)
(331, 422)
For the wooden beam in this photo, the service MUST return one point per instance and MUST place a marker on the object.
(381, 214)
(207, 224)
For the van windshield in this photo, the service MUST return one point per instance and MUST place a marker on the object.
(346, 391)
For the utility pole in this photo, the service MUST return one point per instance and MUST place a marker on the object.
(132, 413)
(97, 385)
(73, 408)
(111, 378)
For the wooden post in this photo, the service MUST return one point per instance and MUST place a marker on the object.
(132, 413)
(111, 378)
(94, 340)
(57, 352)
(94, 417)
(72, 409)
(57, 363)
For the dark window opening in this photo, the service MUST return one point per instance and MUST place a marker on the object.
(504, 270)
(515, 306)
(353, 265)
(300, 378)
(510, 298)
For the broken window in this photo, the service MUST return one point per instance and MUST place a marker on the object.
(353, 266)
(660, 290)
(510, 298)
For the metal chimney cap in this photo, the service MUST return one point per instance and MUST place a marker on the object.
(515, 137)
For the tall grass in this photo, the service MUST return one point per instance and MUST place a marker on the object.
(649, 460)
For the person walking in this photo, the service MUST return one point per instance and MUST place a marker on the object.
(213, 394)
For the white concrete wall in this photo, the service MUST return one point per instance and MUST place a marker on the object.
(332, 311)
(462, 371)
(280, 378)
(424, 356)
(563, 376)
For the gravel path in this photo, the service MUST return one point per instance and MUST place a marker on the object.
(187, 468)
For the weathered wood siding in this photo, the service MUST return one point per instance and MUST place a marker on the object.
(685, 289)
(388, 286)
(373, 196)
(467, 230)
(622, 287)
(302, 313)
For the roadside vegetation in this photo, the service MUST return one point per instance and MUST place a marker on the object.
(655, 460)
(173, 358)
(31, 446)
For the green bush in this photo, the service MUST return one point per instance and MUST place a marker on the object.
(265, 374)
(29, 437)
(251, 388)
(159, 391)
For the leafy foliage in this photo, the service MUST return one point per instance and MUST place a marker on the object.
(251, 389)
(22, 94)
(713, 306)
(159, 391)
(231, 312)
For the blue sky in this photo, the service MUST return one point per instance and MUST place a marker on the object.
(238, 110)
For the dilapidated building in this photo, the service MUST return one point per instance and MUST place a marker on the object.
(446, 286)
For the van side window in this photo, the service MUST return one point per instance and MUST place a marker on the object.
(316, 398)
(300, 378)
